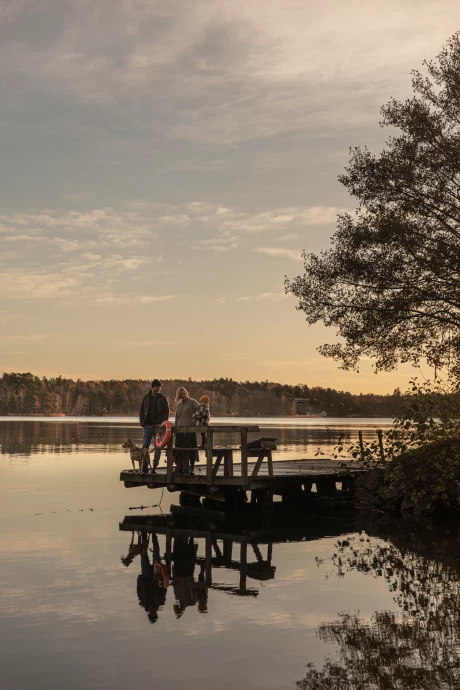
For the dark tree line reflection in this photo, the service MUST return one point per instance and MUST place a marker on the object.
(28, 437)
(416, 648)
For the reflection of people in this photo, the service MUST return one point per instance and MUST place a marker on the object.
(133, 551)
(153, 580)
(154, 411)
(186, 590)
(186, 407)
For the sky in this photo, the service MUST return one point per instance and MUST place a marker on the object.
(164, 163)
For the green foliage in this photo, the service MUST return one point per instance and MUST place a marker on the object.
(421, 451)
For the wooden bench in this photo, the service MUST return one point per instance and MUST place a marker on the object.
(260, 448)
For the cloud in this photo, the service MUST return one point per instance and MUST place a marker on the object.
(21, 238)
(150, 298)
(135, 226)
(292, 254)
(23, 338)
(113, 298)
(102, 254)
(217, 72)
(110, 228)
(25, 284)
(218, 244)
(143, 343)
(289, 236)
(174, 219)
(130, 264)
(280, 218)
(270, 296)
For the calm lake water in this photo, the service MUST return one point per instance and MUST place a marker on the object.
(337, 600)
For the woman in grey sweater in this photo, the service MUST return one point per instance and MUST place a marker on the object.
(186, 408)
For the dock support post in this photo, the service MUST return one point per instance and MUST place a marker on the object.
(293, 496)
(326, 486)
(169, 460)
(269, 552)
(267, 506)
(209, 448)
(208, 560)
(244, 457)
(307, 486)
(168, 554)
(228, 463)
(228, 548)
(243, 566)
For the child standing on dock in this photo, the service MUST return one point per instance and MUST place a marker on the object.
(202, 417)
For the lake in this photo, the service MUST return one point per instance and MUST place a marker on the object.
(336, 600)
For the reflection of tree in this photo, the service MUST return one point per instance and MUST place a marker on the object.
(417, 648)
(36, 436)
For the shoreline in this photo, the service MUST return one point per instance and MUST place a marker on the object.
(128, 416)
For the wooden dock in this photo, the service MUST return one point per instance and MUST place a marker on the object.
(223, 479)
(285, 474)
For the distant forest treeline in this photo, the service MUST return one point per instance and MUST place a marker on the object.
(25, 394)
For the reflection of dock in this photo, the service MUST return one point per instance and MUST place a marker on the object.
(250, 553)
(217, 555)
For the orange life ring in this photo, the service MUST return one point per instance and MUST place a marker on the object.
(161, 441)
(160, 570)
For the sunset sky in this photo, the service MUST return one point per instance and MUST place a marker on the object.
(163, 164)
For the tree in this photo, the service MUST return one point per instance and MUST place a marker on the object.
(390, 284)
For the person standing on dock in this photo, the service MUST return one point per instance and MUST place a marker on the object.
(186, 408)
(154, 411)
(202, 417)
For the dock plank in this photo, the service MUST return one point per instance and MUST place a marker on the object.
(285, 472)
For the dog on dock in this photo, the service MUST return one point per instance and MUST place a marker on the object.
(139, 455)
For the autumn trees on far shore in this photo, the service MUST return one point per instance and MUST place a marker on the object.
(25, 394)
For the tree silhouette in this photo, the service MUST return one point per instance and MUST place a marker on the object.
(390, 284)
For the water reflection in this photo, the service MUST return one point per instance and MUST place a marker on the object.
(153, 579)
(417, 648)
(28, 437)
(249, 553)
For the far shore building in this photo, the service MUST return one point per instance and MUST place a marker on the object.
(304, 408)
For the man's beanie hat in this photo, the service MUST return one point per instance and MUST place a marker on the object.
(155, 383)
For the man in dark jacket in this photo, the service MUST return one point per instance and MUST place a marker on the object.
(154, 410)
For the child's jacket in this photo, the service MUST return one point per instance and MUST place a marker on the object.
(202, 415)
